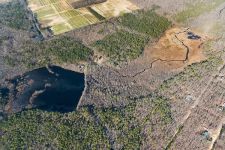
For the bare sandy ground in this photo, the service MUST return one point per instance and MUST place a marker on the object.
(171, 53)
(171, 47)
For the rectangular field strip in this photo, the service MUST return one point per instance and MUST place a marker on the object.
(62, 6)
(61, 17)
(78, 21)
(60, 28)
(45, 12)
(69, 14)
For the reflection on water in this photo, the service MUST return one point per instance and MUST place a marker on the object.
(51, 89)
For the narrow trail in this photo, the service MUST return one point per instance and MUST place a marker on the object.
(164, 60)
(189, 112)
(216, 134)
(150, 67)
(131, 31)
(186, 117)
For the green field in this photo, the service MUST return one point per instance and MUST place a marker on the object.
(69, 14)
(78, 21)
(61, 17)
(60, 6)
(60, 28)
(44, 12)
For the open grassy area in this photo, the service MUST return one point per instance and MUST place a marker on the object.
(114, 8)
(51, 13)
(44, 12)
(78, 21)
(194, 10)
(60, 28)
(61, 6)
(69, 14)
(122, 46)
(60, 16)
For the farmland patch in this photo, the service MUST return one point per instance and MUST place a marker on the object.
(60, 16)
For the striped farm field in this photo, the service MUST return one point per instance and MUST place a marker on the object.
(78, 22)
(114, 8)
(85, 12)
(53, 1)
(60, 28)
(51, 21)
(91, 18)
(61, 17)
(45, 2)
(69, 14)
(34, 5)
(45, 11)
(62, 6)
(105, 10)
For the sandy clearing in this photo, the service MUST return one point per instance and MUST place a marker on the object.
(170, 54)
(170, 47)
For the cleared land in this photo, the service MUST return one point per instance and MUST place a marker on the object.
(114, 8)
(135, 31)
(60, 16)
(178, 45)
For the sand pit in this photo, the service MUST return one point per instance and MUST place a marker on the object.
(179, 45)
(176, 49)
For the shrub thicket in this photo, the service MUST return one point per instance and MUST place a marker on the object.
(122, 46)
(147, 22)
(13, 14)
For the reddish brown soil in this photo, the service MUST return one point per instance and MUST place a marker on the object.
(173, 47)
(172, 53)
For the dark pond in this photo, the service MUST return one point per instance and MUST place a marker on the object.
(4, 92)
(192, 36)
(51, 89)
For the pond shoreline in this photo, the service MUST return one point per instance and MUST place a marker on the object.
(51, 88)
